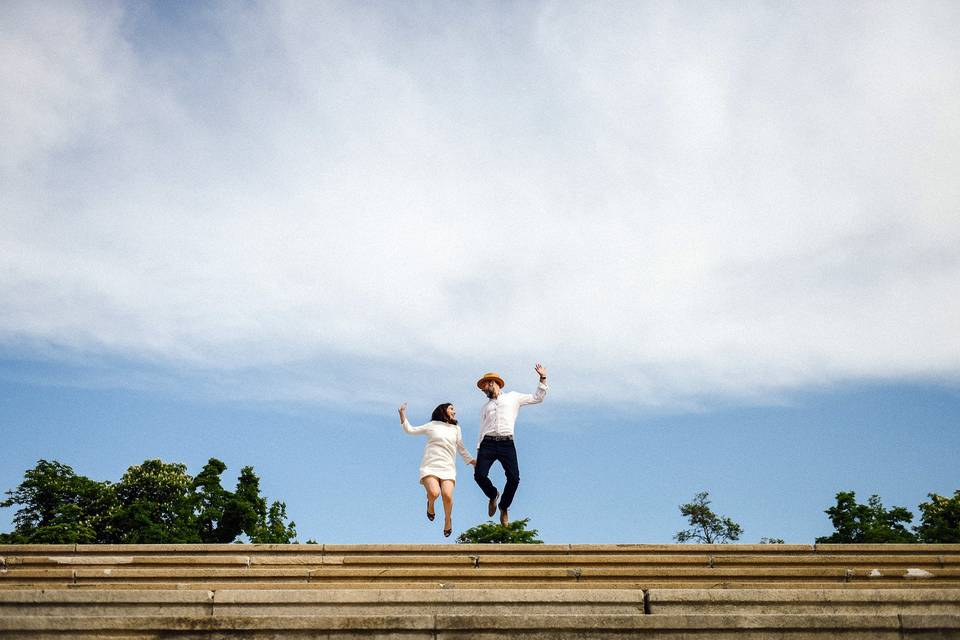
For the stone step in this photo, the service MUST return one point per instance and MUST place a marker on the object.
(13, 562)
(471, 585)
(540, 550)
(431, 549)
(483, 627)
(805, 601)
(474, 601)
(479, 591)
(25, 574)
(315, 602)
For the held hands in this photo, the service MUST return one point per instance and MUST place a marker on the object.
(472, 463)
(541, 372)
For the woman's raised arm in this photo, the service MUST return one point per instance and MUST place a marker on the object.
(406, 425)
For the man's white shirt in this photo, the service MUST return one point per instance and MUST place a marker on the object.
(499, 415)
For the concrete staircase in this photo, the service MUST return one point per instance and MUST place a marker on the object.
(479, 591)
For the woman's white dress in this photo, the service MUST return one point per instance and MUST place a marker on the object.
(443, 440)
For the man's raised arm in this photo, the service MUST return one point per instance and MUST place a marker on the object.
(541, 392)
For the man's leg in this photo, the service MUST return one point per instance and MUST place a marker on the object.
(508, 458)
(486, 456)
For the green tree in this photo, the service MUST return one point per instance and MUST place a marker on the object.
(223, 515)
(209, 501)
(154, 502)
(940, 519)
(248, 509)
(245, 508)
(706, 526)
(274, 528)
(488, 532)
(867, 523)
(155, 505)
(59, 506)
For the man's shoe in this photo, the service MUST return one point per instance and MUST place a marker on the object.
(504, 520)
(492, 506)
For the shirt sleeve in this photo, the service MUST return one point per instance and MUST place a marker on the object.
(480, 431)
(536, 397)
(463, 450)
(414, 431)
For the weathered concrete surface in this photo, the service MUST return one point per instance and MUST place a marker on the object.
(506, 549)
(799, 627)
(482, 566)
(930, 627)
(64, 602)
(480, 591)
(804, 601)
(418, 626)
(234, 602)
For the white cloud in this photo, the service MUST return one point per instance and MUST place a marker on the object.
(666, 201)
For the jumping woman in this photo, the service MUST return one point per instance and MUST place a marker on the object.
(438, 469)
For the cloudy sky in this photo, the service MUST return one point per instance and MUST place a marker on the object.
(687, 211)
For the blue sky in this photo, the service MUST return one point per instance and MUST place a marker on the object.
(249, 231)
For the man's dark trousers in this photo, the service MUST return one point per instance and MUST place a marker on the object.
(505, 453)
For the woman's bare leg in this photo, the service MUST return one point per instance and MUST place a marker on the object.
(432, 485)
(446, 490)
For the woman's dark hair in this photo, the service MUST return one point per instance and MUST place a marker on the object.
(440, 414)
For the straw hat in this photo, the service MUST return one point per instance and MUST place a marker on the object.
(490, 376)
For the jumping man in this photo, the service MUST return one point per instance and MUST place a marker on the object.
(497, 419)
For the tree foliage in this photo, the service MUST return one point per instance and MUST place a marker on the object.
(706, 526)
(939, 519)
(59, 506)
(212, 503)
(867, 523)
(154, 505)
(261, 524)
(154, 502)
(488, 532)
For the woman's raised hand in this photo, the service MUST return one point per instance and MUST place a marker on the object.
(403, 412)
